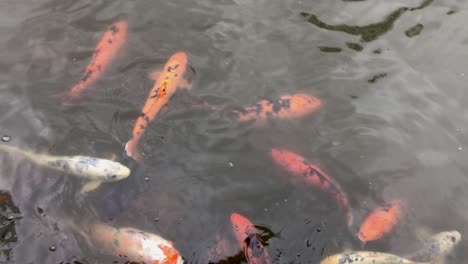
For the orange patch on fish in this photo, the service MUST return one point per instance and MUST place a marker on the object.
(247, 238)
(104, 53)
(285, 107)
(380, 221)
(172, 256)
(299, 166)
(164, 88)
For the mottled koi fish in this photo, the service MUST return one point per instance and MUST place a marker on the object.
(133, 244)
(248, 239)
(380, 221)
(299, 166)
(285, 107)
(366, 257)
(95, 170)
(166, 84)
(437, 247)
(104, 53)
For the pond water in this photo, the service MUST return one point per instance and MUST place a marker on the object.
(393, 123)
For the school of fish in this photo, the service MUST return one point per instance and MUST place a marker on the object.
(144, 247)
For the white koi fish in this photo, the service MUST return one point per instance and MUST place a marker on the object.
(437, 247)
(134, 244)
(95, 170)
(366, 257)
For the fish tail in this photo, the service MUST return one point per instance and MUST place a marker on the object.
(16, 150)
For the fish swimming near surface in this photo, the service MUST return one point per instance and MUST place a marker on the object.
(247, 237)
(104, 53)
(95, 170)
(171, 78)
(366, 257)
(285, 107)
(380, 221)
(437, 247)
(299, 166)
(133, 244)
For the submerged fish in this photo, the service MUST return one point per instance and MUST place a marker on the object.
(287, 106)
(93, 169)
(104, 53)
(299, 166)
(437, 247)
(167, 82)
(134, 244)
(366, 257)
(248, 240)
(380, 221)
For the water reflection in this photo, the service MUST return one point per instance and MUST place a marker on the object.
(370, 32)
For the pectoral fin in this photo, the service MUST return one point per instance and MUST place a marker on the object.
(154, 75)
(185, 84)
(89, 186)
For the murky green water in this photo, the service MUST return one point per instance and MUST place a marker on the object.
(391, 76)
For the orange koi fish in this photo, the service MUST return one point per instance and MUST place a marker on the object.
(104, 53)
(165, 86)
(285, 107)
(134, 244)
(380, 221)
(299, 166)
(248, 240)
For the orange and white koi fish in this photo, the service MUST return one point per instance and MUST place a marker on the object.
(380, 221)
(104, 53)
(248, 240)
(285, 107)
(299, 166)
(134, 244)
(167, 82)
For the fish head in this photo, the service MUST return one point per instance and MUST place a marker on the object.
(115, 171)
(176, 64)
(303, 104)
(290, 161)
(243, 228)
(449, 238)
(362, 236)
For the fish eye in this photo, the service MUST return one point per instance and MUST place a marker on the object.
(114, 176)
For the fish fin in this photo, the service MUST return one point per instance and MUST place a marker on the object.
(89, 186)
(185, 84)
(154, 75)
(423, 233)
(110, 156)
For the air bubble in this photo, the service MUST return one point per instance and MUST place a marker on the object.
(6, 138)
(52, 248)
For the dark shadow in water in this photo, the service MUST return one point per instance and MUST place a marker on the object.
(9, 215)
(370, 32)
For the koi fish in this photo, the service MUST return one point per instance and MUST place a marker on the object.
(366, 257)
(95, 170)
(247, 238)
(167, 82)
(380, 221)
(299, 166)
(104, 53)
(437, 247)
(134, 244)
(285, 107)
